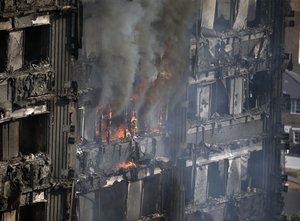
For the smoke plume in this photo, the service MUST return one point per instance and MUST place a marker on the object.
(141, 51)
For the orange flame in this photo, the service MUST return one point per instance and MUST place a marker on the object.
(118, 133)
(126, 165)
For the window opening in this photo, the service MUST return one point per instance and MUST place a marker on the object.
(33, 134)
(295, 106)
(3, 52)
(36, 44)
(297, 137)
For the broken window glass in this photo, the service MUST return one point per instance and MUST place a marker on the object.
(3, 51)
(36, 44)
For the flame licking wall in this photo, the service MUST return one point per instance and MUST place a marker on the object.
(140, 54)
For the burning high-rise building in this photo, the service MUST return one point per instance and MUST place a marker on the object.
(171, 113)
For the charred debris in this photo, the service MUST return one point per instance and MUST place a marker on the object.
(141, 110)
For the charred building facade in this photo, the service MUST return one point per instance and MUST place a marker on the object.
(171, 113)
(208, 150)
(38, 41)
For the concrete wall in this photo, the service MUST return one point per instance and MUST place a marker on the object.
(229, 133)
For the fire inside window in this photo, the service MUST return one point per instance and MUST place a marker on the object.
(297, 137)
(295, 106)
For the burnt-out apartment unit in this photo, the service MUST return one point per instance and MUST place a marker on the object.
(38, 41)
(171, 113)
(208, 149)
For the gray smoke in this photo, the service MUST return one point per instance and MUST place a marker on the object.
(141, 50)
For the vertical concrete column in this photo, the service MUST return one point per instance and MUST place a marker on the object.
(134, 199)
(200, 193)
(177, 212)
(241, 18)
(15, 50)
(236, 96)
(234, 176)
(9, 216)
(208, 13)
(86, 206)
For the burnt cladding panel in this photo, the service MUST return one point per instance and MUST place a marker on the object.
(60, 60)
(152, 195)
(251, 208)
(54, 206)
(199, 216)
(59, 113)
(35, 212)
(112, 202)
(166, 194)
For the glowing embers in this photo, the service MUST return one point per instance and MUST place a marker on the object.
(127, 165)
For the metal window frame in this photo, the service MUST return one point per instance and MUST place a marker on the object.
(295, 106)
